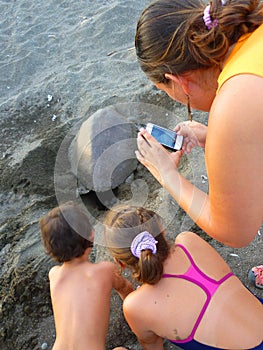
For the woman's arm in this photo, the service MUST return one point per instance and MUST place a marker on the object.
(234, 147)
(163, 166)
(232, 213)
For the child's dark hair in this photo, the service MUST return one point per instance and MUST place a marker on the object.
(66, 232)
(122, 224)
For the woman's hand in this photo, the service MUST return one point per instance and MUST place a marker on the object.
(194, 134)
(155, 157)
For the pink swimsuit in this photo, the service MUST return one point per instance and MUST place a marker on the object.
(208, 285)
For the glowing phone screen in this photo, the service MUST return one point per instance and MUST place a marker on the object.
(164, 136)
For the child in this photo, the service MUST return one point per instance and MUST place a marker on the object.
(188, 293)
(80, 290)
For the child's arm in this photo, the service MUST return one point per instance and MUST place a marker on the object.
(122, 286)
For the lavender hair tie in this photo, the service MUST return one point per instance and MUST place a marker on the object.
(142, 241)
(207, 19)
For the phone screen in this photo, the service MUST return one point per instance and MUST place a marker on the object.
(164, 136)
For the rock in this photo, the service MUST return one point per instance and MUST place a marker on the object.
(102, 153)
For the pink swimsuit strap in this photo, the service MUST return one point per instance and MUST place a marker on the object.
(206, 283)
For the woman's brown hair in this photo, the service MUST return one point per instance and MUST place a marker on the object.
(172, 37)
(122, 225)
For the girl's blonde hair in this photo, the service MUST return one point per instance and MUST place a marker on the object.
(122, 224)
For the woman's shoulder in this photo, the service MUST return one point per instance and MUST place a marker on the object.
(237, 102)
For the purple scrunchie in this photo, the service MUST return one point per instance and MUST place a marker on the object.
(207, 19)
(142, 241)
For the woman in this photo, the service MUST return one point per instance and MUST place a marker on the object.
(188, 293)
(210, 57)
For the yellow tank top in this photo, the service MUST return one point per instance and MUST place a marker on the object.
(246, 57)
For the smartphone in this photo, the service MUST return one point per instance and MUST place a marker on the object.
(168, 138)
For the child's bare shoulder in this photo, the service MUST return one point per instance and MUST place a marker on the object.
(105, 267)
(188, 238)
(53, 271)
(201, 250)
(193, 242)
(105, 274)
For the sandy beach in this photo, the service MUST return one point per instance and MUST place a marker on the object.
(61, 61)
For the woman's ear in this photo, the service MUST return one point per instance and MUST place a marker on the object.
(183, 81)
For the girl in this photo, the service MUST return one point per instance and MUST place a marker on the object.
(188, 293)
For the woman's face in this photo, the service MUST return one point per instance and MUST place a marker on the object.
(201, 95)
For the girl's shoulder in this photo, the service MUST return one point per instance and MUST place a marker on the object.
(195, 244)
(206, 257)
(136, 305)
(189, 238)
